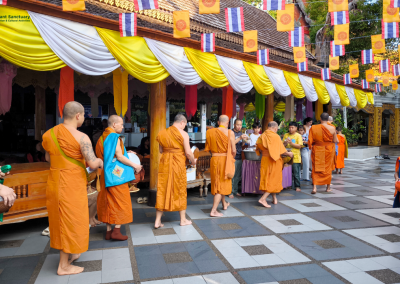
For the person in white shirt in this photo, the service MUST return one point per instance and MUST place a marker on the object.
(256, 133)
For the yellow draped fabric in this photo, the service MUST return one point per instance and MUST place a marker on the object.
(22, 45)
(294, 84)
(259, 78)
(120, 84)
(249, 107)
(361, 98)
(280, 106)
(344, 99)
(206, 65)
(322, 92)
(370, 97)
(319, 109)
(134, 56)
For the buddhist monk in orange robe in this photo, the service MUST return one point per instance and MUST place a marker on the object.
(222, 165)
(67, 150)
(270, 146)
(330, 121)
(114, 205)
(172, 180)
(321, 141)
(342, 150)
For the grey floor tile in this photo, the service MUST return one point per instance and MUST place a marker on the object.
(330, 279)
(210, 265)
(86, 277)
(310, 270)
(256, 276)
(33, 245)
(117, 275)
(183, 268)
(284, 273)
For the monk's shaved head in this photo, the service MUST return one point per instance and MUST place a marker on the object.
(272, 124)
(71, 109)
(180, 118)
(114, 119)
(324, 116)
(330, 118)
(223, 119)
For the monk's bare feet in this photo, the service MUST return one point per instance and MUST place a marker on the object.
(69, 270)
(238, 194)
(274, 200)
(94, 222)
(314, 191)
(186, 222)
(328, 190)
(264, 203)
(157, 226)
(298, 189)
(215, 213)
(227, 205)
(73, 257)
(231, 196)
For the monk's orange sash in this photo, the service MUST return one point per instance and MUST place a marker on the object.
(219, 154)
(265, 153)
(172, 150)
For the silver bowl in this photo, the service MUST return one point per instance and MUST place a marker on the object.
(251, 156)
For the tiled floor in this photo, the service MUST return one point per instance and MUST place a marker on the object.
(350, 235)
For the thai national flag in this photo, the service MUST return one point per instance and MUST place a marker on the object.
(208, 42)
(127, 24)
(325, 74)
(337, 50)
(3, 2)
(302, 66)
(296, 37)
(390, 30)
(274, 5)
(234, 19)
(394, 3)
(346, 79)
(146, 4)
(396, 70)
(378, 88)
(365, 84)
(263, 57)
(384, 65)
(339, 18)
(367, 56)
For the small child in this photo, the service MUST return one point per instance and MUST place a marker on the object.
(305, 154)
(294, 141)
(256, 133)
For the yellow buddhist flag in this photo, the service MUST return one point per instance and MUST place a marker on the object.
(369, 75)
(342, 34)
(181, 24)
(250, 42)
(285, 19)
(353, 69)
(299, 54)
(333, 62)
(378, 44)
(338, 5)
(395, 86)
(390, 14)
(385, 81)
(73, 5)
(209, 7)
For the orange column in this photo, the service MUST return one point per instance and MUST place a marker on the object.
(269, 111)
(158, 110)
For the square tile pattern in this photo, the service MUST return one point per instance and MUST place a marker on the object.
(357, 202)
(389, 215)
(312, 205)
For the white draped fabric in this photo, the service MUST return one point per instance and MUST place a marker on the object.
(235, 73)
(309, 89)
(352, 97)
(333, 94)
(174, 59)
(77, 45)
(278, 80)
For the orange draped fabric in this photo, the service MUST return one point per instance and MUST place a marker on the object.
(172, 180)
(341, 151)
(217, 142)
(114, 205)
(66, 92)
(270, 146)
(323, 155)
(66, 194)
(227, 101)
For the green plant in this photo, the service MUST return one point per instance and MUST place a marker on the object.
(284, 126)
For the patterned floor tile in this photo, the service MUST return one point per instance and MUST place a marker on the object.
(387, 199)
(312, 205)
(389, 215)
(196, 212)
(255, 208)
(357, 202)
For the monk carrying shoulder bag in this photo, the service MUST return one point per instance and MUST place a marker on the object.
(115, 172)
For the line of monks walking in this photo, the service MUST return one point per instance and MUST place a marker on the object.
(68, 150)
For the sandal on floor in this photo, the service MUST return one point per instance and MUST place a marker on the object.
(140, 200)
(46, 232)
(145, 200)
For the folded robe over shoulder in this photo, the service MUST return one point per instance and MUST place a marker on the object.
(342, 152)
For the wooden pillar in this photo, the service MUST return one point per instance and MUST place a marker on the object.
(158, 105)
(394, 128)
(289, 108)
(330, 108)
(40, 112)
(269, 111)
(375, 127)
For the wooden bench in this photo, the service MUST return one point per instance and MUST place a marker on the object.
(29, 184)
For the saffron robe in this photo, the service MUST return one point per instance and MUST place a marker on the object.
(66, 193)
(114, 205)
(270, 146)
(342, 152)
(172, 179)
(217, 143)
(323, 154)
